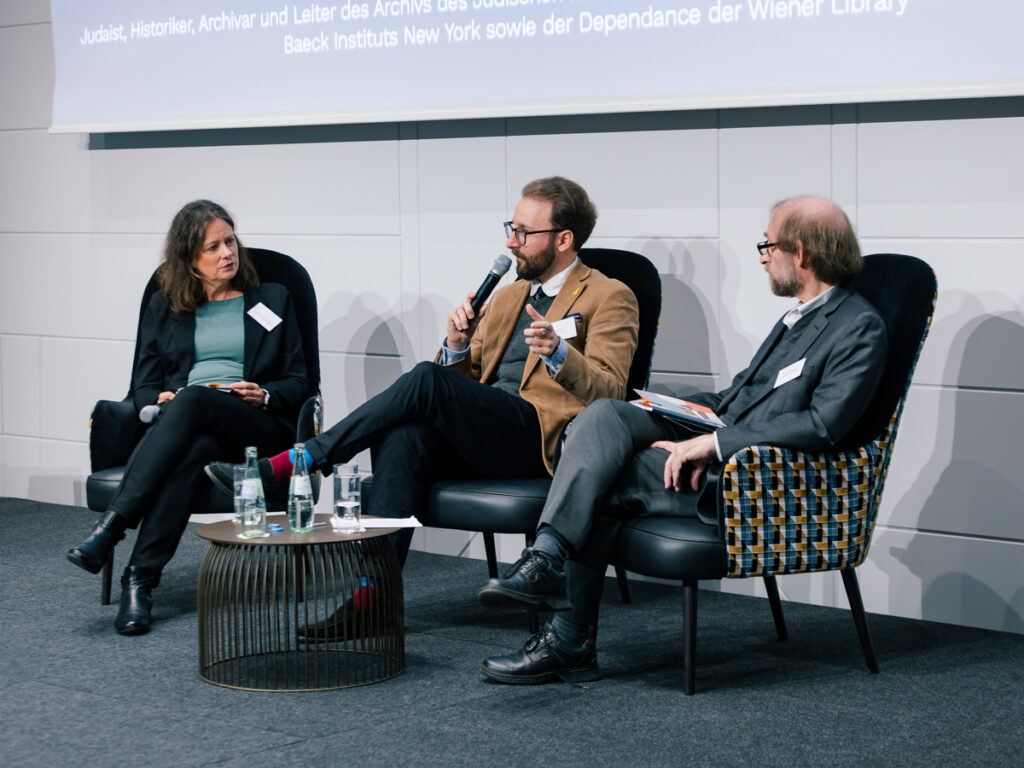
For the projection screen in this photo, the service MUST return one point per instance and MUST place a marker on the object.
(123, 65)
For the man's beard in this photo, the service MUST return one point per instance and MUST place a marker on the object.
(535, 266)
(785, 286)
(788, 283)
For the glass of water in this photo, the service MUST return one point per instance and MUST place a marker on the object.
(347, 502)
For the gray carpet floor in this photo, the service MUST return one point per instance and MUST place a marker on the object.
(73, 692)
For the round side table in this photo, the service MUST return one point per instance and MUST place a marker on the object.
(259, 600)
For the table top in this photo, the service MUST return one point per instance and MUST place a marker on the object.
(227, 532)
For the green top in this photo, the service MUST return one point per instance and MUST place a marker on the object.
(219, 342)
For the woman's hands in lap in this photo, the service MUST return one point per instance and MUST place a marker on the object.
(252, 394)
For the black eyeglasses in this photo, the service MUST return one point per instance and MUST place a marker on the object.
(764, 246)
(521, 234)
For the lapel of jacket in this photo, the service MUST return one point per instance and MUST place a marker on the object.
(253, 331)
(807, 336)
(570, 293)
(500, 329)
(818, 322)
(765, 349)
(183, 332)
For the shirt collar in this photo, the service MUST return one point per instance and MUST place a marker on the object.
(554, 285)
(794, 315)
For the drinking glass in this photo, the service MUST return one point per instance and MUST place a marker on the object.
(347, 502)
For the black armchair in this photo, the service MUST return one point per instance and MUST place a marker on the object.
(515, 506)
(783, 511)
(114, 426)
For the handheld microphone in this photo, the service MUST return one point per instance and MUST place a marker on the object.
(498, 270)
(149, 414)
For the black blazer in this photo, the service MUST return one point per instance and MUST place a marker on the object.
(273, 359)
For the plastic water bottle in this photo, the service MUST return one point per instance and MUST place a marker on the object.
(251, 501)
(300, 494)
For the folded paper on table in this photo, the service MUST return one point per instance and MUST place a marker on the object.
(390, 522)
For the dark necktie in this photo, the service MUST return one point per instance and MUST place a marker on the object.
(539, 294)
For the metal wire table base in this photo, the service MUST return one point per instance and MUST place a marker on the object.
(299, 612)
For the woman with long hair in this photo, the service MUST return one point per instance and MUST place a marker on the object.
(221, 356)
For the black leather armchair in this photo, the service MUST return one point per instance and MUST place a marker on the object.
(114, 426)
(514, 506)
(783, 511)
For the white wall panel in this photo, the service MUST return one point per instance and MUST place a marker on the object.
(942, 178)
(26, 61)
(348, 381)
(956, 464)
(462, 203)
(844, 160)
(329, 188)
(47, 183)
(45, 470)
(74, 374)
(688, 336)
(648, 184)
(977, 334)
(759, 166)
(358, 283)
(22, 384)
(973, 582)
(84, 286)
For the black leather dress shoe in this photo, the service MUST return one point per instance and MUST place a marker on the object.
(135, 614)
(93, 553)
(545, 659)
(532, 582)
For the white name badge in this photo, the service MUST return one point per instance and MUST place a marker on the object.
(790, 372)
(565, 328)
(265, 316)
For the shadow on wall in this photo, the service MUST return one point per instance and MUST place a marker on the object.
(688, 327)
(977, 485)
(376, 340)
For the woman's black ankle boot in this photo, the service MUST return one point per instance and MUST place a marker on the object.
(93, 553)
(135, 614)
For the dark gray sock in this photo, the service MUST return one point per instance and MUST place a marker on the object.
(553, 546)
(568, 632)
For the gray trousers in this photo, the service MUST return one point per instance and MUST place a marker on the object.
(608, 473)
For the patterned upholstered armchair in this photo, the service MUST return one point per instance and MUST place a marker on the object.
(781, 511)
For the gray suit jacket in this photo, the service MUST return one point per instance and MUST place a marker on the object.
(844, 346)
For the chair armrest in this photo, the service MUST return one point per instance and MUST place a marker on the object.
(114, 428)
(311, 418)
(784, 511)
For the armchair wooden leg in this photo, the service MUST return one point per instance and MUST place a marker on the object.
(492, 556)
(773, 600)
(859, 618)
(689, 636)
(620, 576)
(107, 574)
